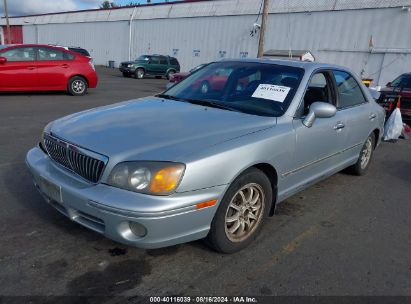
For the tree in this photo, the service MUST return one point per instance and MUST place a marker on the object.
(107, 4)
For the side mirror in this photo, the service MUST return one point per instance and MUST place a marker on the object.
(388, 84)
(3, 60)
(319, 110)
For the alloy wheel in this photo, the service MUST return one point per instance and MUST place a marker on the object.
(244, 212)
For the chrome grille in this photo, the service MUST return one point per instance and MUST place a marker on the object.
(75, 159)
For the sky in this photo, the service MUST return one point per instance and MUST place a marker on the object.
(29, 7)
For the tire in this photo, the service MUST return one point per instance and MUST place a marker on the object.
(204, 87)
(127, 75)
(140, 73)
(364, 159)
(77, 86)
(169, 74)
(224, 236)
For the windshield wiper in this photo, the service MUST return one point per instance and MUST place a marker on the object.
(213, 104)
(207, 103)
(166, 96)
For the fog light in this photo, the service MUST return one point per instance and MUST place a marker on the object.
(137, 229)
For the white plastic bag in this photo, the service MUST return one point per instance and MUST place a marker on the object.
(393, 126)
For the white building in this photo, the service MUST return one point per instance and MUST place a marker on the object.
(373, 37)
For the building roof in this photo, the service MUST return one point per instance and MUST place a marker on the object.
(202, 8)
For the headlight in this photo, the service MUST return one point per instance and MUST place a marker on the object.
(129, 65)
(158, 178)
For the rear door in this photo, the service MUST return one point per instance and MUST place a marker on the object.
(20, 70)
(358, 113)
(53, 67)
(163, 65)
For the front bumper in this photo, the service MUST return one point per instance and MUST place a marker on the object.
(127, 70)
(135, 219)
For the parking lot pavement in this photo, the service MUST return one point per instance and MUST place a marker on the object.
(344, 236)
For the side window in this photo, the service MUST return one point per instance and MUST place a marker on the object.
(173, 61)
(154, 60)
(318, 90)
(53, 54)
(163, 60)
(20, 54)
(348, 89)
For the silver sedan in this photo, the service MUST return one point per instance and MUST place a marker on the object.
(191, 163)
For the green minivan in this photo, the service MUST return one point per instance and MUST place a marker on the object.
(156, 65)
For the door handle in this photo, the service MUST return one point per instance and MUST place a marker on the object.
(339, 126)
(65, 66)
(31, 68)
(372, 116)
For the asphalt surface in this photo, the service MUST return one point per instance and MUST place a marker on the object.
(346, 235)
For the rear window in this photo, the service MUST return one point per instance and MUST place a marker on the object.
(80, 51)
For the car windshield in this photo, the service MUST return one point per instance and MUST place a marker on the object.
(255, 88)
(402, 81)
(143, 58)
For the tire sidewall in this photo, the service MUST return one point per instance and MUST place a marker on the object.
(217, 236)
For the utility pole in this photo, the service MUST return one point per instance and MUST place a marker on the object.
(7, 22)
(262, 29)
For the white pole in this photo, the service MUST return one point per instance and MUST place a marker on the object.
(130, 44)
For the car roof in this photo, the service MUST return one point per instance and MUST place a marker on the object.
(306, 65)
(34, 45)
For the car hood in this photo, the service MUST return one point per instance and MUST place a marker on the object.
(154, 129)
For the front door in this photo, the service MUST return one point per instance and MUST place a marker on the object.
(317, 149)
(20, 70)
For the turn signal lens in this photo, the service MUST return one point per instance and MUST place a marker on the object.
(166, 179)
(206, 204)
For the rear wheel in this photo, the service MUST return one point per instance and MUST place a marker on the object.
(139, 74)
(364, 160)
(77, 86)
(241, 213)
(170, 74)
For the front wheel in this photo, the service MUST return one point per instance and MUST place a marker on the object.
(364, 159)
(77, 86)
(140, 73)
(241, 213)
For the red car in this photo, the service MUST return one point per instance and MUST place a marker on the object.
(389, 98)
(207, 83)
(33, 67)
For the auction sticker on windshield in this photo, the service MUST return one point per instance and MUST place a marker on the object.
(271, 92)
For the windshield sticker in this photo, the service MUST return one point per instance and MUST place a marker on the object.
(271, 92)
